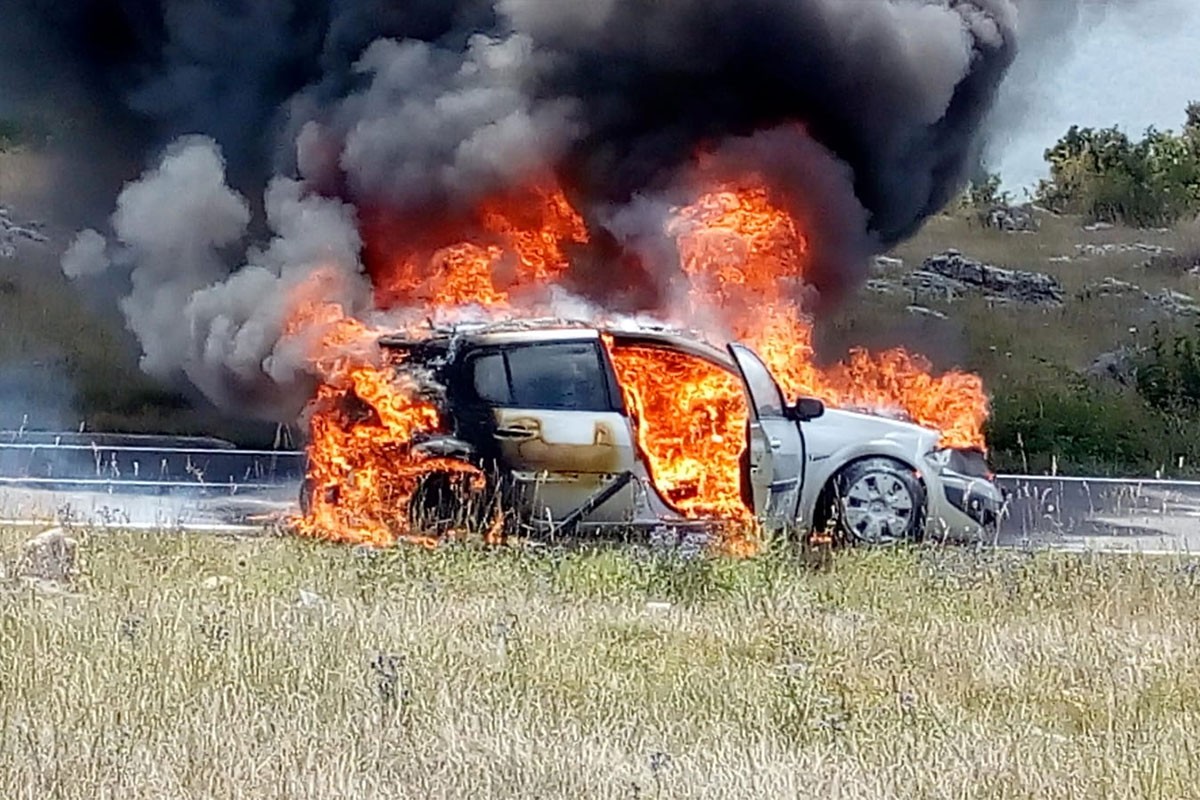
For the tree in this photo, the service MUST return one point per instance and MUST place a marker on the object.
(984, 192)
(1106, 176)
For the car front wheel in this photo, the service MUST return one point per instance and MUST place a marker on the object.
(878, 501)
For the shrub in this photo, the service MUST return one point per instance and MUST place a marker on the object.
(984, 193)
(1083, 427)
(1168, 374)
(1106, 176)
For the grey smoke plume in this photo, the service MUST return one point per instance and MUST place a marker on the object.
(864, 116)
(174, 227)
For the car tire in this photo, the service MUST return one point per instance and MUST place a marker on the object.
(877, 501)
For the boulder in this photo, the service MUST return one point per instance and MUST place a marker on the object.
(1011, 219)
(1117, 365)
(50, 556)
(882, 265)
(1110, 287)
(880, 286)
(922, 311)
(956, 273)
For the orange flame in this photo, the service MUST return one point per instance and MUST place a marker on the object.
(362, 468)
(745, 259)
(690, 418)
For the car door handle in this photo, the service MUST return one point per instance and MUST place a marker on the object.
(515, 433)
(776, 444)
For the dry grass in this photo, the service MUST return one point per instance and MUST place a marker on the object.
(479, 673)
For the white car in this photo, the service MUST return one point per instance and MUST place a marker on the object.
(537, 406)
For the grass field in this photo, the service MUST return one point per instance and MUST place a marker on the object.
(274, 668)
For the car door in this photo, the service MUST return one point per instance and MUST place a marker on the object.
(776, 444)
(558, 427)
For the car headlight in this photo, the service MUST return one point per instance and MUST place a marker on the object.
(968, 463)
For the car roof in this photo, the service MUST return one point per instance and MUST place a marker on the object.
(521, 331)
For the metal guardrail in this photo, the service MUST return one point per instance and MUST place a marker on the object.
(1039, 506)
(110, 485)
(141, 467)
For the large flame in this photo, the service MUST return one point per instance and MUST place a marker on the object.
(745, 259)
(691, 426)
(742, 262)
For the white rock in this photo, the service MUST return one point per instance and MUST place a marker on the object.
(922, 311)
(310, 599)
(888, 264)
(49, 556)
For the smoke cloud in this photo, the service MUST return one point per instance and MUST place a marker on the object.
(224, 330)
(863, 116)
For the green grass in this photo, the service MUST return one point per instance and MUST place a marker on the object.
(596, 673)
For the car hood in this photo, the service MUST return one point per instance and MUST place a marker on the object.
(838, 427)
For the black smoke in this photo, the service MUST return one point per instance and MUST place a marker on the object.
(862, 114)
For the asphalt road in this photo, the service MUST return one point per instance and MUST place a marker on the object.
(1102, 514)
(1059, 513)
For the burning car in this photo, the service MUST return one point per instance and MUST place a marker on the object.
(559, 428)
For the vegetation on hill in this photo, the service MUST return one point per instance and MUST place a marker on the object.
(1106, 176)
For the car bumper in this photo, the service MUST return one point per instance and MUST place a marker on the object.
(965, 508)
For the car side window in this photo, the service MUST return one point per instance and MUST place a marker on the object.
(567, 377)
(491, 379)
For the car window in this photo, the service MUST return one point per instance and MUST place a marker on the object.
(567, 376)
(491, 379)
(764, 391)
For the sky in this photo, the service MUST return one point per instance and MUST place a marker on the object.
(1134, 67)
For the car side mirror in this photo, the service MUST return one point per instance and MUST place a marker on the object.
(806, 409)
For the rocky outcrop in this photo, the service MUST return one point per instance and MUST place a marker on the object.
(1011, 219)
(1175, 303)
(951, 276)
(1121, 248)
(1166, 300)
(952, 273)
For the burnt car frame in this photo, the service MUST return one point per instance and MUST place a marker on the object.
(536, 405)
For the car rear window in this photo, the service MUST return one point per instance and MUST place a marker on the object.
(566, 376)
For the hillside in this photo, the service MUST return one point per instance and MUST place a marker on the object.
(1061, 375)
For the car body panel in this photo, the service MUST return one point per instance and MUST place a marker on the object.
(566, 457)
(776, 444)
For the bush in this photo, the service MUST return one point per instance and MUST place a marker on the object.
(1081, 427)
(1106, 176)
(983, 194)
(1168, 375)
